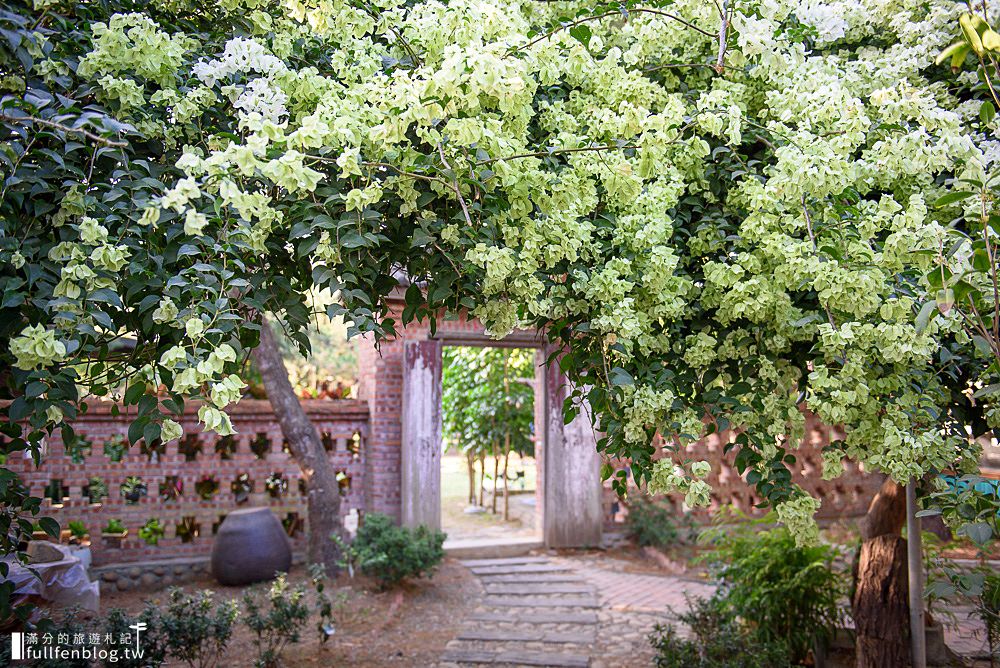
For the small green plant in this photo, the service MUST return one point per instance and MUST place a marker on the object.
(96, 489)
(988, 611)
(277, 623)
(77, 449)
(970, 505)
(197, 628)
(391, 553)
(115, 448)
(153, 643)
(652, 525)
(77, 529)
(719, 641)
(152, 531)
(114, 527)
(133, 489)
(784, 592)
(324, 606)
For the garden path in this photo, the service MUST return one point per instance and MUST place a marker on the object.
(589, 612)
(564, 613)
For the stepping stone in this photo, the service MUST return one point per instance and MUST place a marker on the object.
(574, 638)
(515, 635)
(548, 659)
(530, 577)
(524, 602)
(512, 617)
(499, 635)
(539, 588)
(470, 563)
(467, 656)
(518, 568)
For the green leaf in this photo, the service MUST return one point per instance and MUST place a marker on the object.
(581, 33)
(134, 393)
(987, 391)
(951, 198)
(978, 532)
(620, 377)
(49, 526)
(927, 311)
(987, 111)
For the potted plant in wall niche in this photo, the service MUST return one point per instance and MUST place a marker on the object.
(78, 534)
(133, 489)
(114, 533)
(79, 542)
(152, 531)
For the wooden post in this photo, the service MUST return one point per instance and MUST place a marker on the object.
(572, 513)
(420, 465)
(915, 563)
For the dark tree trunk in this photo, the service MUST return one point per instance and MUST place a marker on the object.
(881, 610)
(879, 604)
(322, 490)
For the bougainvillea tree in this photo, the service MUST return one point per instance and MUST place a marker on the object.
(720, 208)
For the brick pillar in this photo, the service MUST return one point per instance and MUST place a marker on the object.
(420, 465)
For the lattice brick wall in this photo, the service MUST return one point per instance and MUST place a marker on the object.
(847, 496)
(189, 485)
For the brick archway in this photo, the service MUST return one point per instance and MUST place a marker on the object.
(402, 384)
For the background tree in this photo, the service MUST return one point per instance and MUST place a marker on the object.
(488, 410)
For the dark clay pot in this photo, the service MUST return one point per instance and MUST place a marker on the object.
(251, 546)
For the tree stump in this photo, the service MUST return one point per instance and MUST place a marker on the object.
(880, 607)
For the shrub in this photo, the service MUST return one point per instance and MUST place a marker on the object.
(988, 611)
(650, 524)
(153, 644)
(784, 593)
(390, 553)
(720, 641)
(277, 625)
(197, 628)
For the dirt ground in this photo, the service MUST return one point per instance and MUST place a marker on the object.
(408, 626)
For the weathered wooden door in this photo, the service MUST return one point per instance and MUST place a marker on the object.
(421, 434)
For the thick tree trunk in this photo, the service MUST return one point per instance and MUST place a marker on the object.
(881, 610)
(322, 491)
(879, 605)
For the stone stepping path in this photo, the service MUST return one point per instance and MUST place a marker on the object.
(533, 612)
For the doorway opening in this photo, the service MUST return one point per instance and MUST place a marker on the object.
(492, 411)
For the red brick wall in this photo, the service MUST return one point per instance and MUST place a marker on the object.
(341, 423)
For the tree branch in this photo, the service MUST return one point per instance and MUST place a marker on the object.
(65, 128)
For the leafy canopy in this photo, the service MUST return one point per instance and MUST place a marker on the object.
(719, 209)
